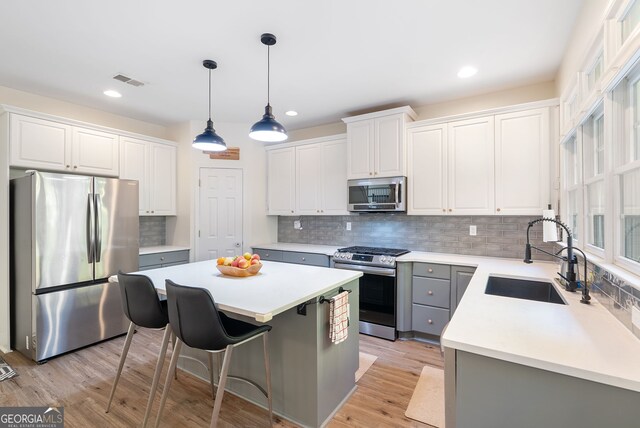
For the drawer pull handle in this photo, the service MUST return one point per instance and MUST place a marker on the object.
(266, 255)
(304, 260)
(430, 321)
(430, 270)
(430, 293)
(161, 258)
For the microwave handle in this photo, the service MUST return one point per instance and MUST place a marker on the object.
(398, 194)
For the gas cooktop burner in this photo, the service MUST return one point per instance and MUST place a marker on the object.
(394, 252)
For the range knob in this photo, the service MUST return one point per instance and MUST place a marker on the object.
(391, 260)
(336, 255)
(348, 256)
(383, 259)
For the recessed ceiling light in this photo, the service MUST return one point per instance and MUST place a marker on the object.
(113, 94)
(291, 113)
(467, 71)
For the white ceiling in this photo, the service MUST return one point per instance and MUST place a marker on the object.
(333, 57)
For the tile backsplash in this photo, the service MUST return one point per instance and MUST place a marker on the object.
(497, 236)
(153, 231)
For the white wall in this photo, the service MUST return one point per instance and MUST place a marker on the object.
(582, 36)
(257, 226)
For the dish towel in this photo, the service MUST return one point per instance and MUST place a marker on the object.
(339, 317)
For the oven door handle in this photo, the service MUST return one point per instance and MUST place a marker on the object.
(366, 269)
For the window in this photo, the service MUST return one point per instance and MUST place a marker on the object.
(630, 20)
(630, 215)
(573, 184)
(593, 162)
(593, 76)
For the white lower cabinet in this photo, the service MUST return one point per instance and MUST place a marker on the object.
(49, 145)
(309, 178)
(482, 166)
(154, 166)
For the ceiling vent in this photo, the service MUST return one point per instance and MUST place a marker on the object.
(128, 80)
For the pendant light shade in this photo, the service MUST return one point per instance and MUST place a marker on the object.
(268, 129)
(209, 141)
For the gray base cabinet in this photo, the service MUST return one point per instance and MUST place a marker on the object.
(297, 257)
(491, 393)
(166, 259)
(428, 295)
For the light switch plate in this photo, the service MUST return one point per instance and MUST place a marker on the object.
(635, 317)
(473, 230)
(348, 225)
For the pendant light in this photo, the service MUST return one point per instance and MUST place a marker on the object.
(209, 141)
(268, 129)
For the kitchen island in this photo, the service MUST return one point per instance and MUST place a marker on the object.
(310, 376)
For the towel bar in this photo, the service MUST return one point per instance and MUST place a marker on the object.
(302, 307)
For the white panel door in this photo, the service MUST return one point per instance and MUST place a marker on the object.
(39, 144)
(308, 179)
(427, 170)
(281, 174)
(360, 157)
(388, 147)
(522, 162)
(162, 179)
(94, 152)
(471, 167)
(220, 213)
(334, 178)
(134, 165)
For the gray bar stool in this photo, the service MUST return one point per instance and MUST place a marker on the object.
(143, 308)
(198, 323)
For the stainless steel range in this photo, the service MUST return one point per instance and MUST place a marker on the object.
(377, 286)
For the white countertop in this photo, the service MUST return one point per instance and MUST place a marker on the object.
(584, 341)
(276, 288)
(161, 249)
(303, 248)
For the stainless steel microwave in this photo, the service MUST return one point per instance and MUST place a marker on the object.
(378, 194)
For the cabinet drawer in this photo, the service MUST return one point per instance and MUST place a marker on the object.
(432, 292)
(273, 255)
(164, 258)
(428, 319)
(306, 258)
(432, 270)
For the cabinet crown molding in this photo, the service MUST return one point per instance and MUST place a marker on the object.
(306, 141)
(73, 122)
(405, 109)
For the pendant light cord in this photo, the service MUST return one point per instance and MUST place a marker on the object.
(209, 94)
(268, 73)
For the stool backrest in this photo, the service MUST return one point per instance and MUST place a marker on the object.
(140, 301)
(194, 317)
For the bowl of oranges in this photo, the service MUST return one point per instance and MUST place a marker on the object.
(245, 265)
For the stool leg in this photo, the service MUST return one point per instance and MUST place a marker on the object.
(123, 356)
(221, 384)
(167, 383)
(213, 388)
(156, 375)
(173, 346)
(267, 366)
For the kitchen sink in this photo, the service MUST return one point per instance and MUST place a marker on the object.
(539, 291)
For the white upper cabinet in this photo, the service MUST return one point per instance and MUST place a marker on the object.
(375, 143)
(94, 152)
(281, 172)
(522, 162)
(471, 166)
(50, 145)
(309, 178)
(154, 166)
(427, 170)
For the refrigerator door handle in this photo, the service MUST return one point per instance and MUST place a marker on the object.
(98, 233)
(90, 228)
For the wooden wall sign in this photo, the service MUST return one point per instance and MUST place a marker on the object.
(232, 153)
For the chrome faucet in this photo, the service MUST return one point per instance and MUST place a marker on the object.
(571, 283)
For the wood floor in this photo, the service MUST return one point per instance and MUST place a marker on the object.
(81, 382)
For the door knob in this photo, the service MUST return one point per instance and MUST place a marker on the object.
(430, 321)
(237, 244)
(430, 293)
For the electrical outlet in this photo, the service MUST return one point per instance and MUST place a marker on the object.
(635, 317)
(473, 230)
(297, 225)
(348, 225)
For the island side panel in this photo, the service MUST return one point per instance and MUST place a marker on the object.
(337, 363)
(494, 393)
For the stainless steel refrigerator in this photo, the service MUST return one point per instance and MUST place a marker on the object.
(68, 234)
